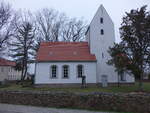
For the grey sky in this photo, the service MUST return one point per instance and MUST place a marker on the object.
(84, 8)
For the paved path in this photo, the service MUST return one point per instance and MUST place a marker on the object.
(7, 108)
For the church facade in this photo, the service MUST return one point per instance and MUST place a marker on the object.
(64, 63)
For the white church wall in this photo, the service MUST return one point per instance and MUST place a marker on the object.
(43, 73)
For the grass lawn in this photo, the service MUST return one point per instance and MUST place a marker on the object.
(115, 89)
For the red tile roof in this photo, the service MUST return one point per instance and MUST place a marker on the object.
(4, 62)
(64, 51)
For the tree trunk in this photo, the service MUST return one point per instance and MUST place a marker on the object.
(141, 83)
(22, 73)
(25, 72)
(141, 78)
(118, 81)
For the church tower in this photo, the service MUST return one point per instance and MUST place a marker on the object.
(100, 36)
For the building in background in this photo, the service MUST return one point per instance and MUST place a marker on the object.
(7, 71)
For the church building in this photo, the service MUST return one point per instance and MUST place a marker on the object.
(64, 63)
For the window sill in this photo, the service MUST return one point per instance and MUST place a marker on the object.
(53, 78)
(65, 78)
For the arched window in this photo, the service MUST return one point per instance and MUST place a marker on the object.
(53, 71)
(65, 71)
(102, 32)
(80, 70)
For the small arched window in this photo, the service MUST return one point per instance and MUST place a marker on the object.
(102, 32)
(80, 70)
(65, 71)
(53, 71)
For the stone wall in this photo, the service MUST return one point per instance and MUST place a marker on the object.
(133, 102)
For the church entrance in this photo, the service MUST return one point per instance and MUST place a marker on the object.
(104, 81)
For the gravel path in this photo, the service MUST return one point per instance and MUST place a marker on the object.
(7, 108)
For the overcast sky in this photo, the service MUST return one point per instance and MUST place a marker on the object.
(84, 8)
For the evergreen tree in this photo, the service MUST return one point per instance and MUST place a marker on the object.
(132, 54)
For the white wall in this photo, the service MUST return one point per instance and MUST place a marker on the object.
(31, 68)
(13, 74)
(43, 73)
(3, 72)
(100, 44)
(9, 73)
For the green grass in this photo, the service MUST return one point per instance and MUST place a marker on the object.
(115, 89)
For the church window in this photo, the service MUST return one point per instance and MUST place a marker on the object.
(65, 71)
(80, 70)
(53, 71)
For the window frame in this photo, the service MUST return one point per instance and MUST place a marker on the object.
(78, 71)
(51, 74)
(64, 73)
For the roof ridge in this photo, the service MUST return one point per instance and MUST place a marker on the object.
(59, 43)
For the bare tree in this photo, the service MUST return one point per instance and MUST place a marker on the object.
(54, 26)
(6, 28)
(23, 46)
(49, 24)
(74, 30)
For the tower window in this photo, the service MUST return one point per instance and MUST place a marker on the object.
(102, 32)
(101, 20)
